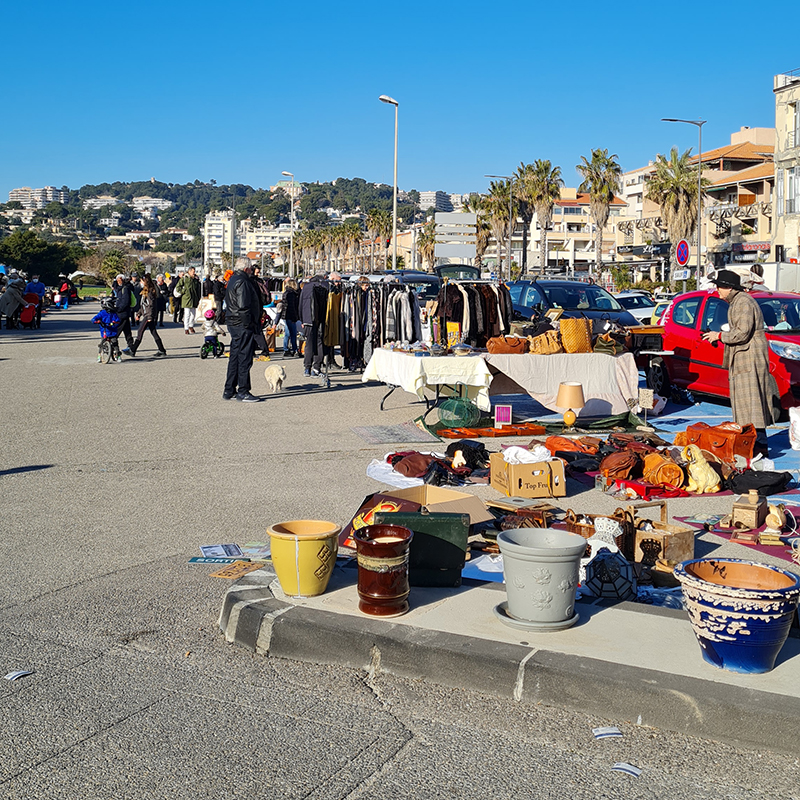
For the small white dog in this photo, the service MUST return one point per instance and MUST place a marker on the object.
(275, 375)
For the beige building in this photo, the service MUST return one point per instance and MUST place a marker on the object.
(786, 233)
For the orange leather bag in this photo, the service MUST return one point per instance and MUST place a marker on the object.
(725, 440)
(507, 345)
(662, 471)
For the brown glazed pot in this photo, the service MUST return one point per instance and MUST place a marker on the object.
(383, 569)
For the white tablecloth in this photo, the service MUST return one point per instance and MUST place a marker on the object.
(608, 381)
(414, 373)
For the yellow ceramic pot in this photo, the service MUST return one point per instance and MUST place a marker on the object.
(303, 554)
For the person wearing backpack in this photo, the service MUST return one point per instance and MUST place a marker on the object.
(189, 288)
(126, 302)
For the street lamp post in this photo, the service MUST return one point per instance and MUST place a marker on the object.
(510, 179)
(699, 124)
(291, 226)
(384, 98)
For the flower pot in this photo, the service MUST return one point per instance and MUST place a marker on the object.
(740, 611)
(304, 554)
(383, 569)
(541, 573)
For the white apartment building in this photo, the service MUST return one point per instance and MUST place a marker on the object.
(786, 231)
(438, 201)
(219, 235)
(37, 198)
(263, 239)
(147, 204)
(96, 203)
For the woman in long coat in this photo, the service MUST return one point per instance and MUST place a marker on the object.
(746, 357)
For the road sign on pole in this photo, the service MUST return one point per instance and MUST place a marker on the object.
(682, 253)
(681, 275)
(456, 235)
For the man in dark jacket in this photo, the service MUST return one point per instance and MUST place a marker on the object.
(190, 288)
(243, 317)
(122, 295)
(313, 306)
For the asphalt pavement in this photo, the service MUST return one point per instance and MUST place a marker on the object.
(114, 475)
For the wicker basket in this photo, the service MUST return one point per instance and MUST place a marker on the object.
(576, 335)
(625, 541)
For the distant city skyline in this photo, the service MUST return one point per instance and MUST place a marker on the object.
(477, 93)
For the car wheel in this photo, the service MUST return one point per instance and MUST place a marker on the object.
(658, 378)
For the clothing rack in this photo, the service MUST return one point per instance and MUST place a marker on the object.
(483, 309)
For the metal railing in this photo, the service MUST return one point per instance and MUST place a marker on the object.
(792, 140)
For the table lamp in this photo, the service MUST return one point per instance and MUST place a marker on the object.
(570, 396)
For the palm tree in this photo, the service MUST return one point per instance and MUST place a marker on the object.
(673, 188)
(522, 192)
(477, 205)
(426, 242)
(379, 224)
(545, 185)
(601, 180)
(352, 233)
(497, 202)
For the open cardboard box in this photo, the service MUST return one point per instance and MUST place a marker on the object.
(433, 499)
(542, 479)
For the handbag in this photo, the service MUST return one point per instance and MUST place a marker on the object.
(662, 471)
(576, 335)
(726, 441)
(507, 345)
(765, 482)
(545, 344)
(414, 465)
(608, 345)
(620, 465)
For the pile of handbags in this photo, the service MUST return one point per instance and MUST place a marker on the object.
(567, 335)
(472, 457)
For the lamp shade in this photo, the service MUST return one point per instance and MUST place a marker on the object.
(570, 395)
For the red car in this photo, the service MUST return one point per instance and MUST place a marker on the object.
(697, 365)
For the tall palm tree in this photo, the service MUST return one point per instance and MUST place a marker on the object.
(478, 206)
(497, 205)
(426, 242)
(601, 179)
(673, 188)
(525, 207)
(545, 188)
(352, 233)
(379, 224)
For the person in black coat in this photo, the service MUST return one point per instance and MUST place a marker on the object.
(290, 314)
(243, 315)
(163, 298)
(122, 296)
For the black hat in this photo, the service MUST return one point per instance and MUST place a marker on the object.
(727, 279)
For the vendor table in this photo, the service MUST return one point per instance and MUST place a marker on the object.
(608, 381)
(414, 374)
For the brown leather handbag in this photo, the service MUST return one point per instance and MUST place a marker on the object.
(563, 444)
(545, 344)
(725, 440)
(507, 345)
(621, 466)
(662, 471)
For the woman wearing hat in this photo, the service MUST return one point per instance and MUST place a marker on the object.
(746, 357)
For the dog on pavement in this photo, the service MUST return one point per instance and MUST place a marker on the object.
(275, 375)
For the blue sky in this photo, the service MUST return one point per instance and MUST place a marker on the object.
(239, 92)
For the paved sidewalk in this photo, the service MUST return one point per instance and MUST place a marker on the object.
(631, 661)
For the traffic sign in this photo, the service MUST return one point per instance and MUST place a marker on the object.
(682, 253)
(681, 275)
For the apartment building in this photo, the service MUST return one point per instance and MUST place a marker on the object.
(222, 235)
(38, 198)
(786, 236)
(144, 204)
(437, 201)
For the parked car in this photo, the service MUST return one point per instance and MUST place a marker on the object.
(458, 272)
(425, 284)
(575, 298)
(658, 311)
(640, 304)
(697, 365)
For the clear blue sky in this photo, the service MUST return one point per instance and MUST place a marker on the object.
(239, 91)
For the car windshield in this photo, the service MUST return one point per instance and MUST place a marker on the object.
(425, 289)
(780, 313)
(580, 297)
(635, 301)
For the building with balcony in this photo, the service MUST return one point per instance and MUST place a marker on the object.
(219, 232)
(221, 235)
(38, 198)
(437, 201)
(786, 230)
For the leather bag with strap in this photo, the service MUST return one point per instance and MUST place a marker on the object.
(576, 335)
(545, 344)
(725, 441)
(621, 466)
(662, 471)
(507, 345)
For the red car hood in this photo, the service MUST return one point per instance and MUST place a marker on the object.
(783, 336)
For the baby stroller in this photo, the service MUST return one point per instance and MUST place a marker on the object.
(27, 316)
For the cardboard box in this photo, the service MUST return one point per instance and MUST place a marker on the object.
(433, 499)
(543, 479)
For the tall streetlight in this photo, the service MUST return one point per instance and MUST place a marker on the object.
(384, 98)
(699, 124)
(510, 179)
(291, 226)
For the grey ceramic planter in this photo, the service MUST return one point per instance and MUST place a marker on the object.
(541, 573)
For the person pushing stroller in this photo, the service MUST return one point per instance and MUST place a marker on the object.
(109, 324)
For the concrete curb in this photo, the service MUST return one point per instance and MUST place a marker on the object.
(254, 618)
